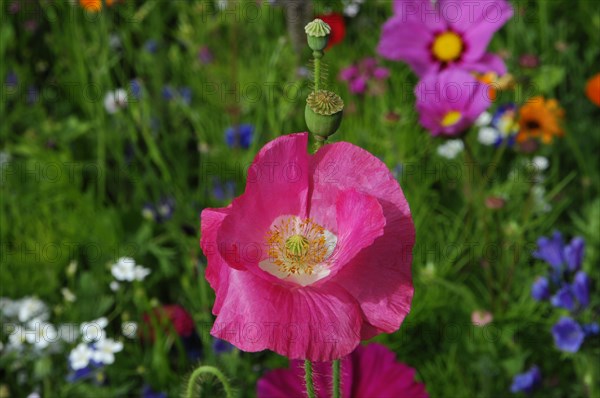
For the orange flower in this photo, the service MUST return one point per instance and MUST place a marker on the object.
(540, 118)
(592, 89)
(495, 82)
(91, 5)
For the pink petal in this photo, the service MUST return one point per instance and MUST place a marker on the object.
(379, 277)
(211, 220)
(477, 21)
(378, 374)
(420, 11)
(313, 323)
(408, 42)
(360, 221)
(488, 63)
(277, 185)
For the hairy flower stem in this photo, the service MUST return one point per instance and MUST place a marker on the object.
(336, 379)
(308, 377)
(318, 55)
(202, 370)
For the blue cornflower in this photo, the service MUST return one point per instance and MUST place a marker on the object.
(581, 288)
(528, 381)
(568, 335)
(573, 253)
(564, 298)
(165, 208)
(136, 88)
(221, 346)
(540, 290)
(148, 392)
(505, 122)
(32, 95)
(186, 95)
(225, 191)
(550, 250)
(239, 136)
(151, 46)
(168, 93)
(11, 80)
(591, 329)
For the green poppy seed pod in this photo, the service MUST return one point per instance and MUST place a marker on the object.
(317, 33)
(323, 113)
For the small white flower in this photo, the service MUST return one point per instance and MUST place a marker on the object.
(488, 135)
(30, 308)
(41, 334)
(16, 338)
(114, 41)
(114, 286)
(450, 149)
(9, 308)
(80, 356)
(124, 269)
(129, 329)
(34, 394)
(115, 100)
(105, 350)
(69, 332)
(222, 5)
(539, 198)
(94, 330)
(67, 294)
(484, 119)
(351, 10)
(72, 268)
(141, 272)
(540, 163)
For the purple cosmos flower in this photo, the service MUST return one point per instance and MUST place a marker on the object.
(550, 250)
(528, 381)
(573, 253)
(450, 102)
(564, 298)
(540, 290)
(581, 288)
(239, 136)
(359, 75)
(568, 335)
(448, 34)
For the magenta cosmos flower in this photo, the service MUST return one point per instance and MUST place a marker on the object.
(370, 371)
(314, 256)
(431, 37)
(450, 102)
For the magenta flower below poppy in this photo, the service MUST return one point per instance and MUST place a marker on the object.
(370, 371)
(450, 102)
(314, 256)
(431, 37)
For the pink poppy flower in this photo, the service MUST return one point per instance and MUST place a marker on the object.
(370, 371)
(314, 256)
(450, 102)
(431, 37)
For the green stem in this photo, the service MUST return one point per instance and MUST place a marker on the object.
(317, 55)
(308, 377)
(336, 379)
(196, 374)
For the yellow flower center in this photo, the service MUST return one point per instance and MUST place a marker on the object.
(451, 118)
(297, 245)
(447, 46)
